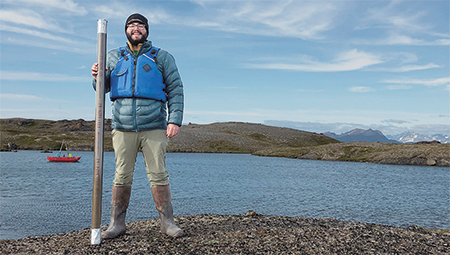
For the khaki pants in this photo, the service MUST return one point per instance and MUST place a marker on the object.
(153, 144)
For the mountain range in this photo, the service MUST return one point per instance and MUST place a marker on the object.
(371, 135)
(412, 137)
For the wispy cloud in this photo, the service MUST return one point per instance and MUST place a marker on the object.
(399, 39)
(345, 61)
(360, 89)
(119, 11)
(37, 33)
(43, 24)
(20, 97)
(395, 121)
(66, 5)
(408, 68)
(306, 20)
(398, 23)
(30, 18)
(50, 77)
(75, 47)
(428, 83)
(398, 87)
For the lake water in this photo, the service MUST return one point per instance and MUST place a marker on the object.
(38, 197)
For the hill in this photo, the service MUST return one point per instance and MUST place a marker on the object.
(241, 137)
(230, 137)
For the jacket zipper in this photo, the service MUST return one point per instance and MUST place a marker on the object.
(134, 76)
(133, 90)
(134, 117)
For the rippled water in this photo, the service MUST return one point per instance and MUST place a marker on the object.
(40, 198)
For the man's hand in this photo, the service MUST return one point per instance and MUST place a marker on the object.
(172, 130)
(94, 70)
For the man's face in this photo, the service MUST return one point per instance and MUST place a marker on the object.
(136, 33)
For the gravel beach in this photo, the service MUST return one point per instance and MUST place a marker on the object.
(245, 234)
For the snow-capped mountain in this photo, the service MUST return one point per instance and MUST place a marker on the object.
(412, 137)
(369, 135)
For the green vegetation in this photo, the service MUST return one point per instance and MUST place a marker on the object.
(33, 134)
(224, 146)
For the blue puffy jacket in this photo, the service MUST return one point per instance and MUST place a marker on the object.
(137, 114)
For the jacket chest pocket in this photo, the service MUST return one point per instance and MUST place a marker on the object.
(119, 78)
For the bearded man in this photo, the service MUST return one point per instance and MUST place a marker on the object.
(147, 108)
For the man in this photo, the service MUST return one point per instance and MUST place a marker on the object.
(147, 108)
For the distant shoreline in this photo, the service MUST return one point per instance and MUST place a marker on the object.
(227, 137)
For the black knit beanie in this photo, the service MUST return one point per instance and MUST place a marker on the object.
(137, 18)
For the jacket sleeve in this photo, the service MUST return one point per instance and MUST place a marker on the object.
(174, 87)
(111, 61)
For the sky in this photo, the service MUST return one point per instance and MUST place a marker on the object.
(316, 66)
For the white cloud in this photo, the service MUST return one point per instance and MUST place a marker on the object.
(28, 17)
(51, 77)
(428, 83)
(20, 97)
(346, 61)
(77, 47)
(66, 5)
(398, 87)
(225, 113)
(360, 89)
(400, 23)
(396, 121)
(399, 39)
(402, 39)
(306, 20)
(36, 33)
(118, 11)
(409, 68)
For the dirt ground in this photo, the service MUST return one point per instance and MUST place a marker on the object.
(245, 234)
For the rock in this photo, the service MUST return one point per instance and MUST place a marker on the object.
(12, 146)
(428, 142)
(251, 213)
(431, 162)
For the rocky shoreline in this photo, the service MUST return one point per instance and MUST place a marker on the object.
(245, 234)
(420, 154)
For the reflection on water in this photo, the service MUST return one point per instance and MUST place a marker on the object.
(40, 198)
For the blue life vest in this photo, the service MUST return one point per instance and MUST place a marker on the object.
(137, 77)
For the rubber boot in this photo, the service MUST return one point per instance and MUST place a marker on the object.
(119, 203)
(163, 202)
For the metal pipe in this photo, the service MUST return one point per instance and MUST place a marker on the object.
(99, 133)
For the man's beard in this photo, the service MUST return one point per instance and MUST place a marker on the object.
(138, 41)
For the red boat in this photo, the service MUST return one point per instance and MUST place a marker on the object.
(63, 159)
(58, 157)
